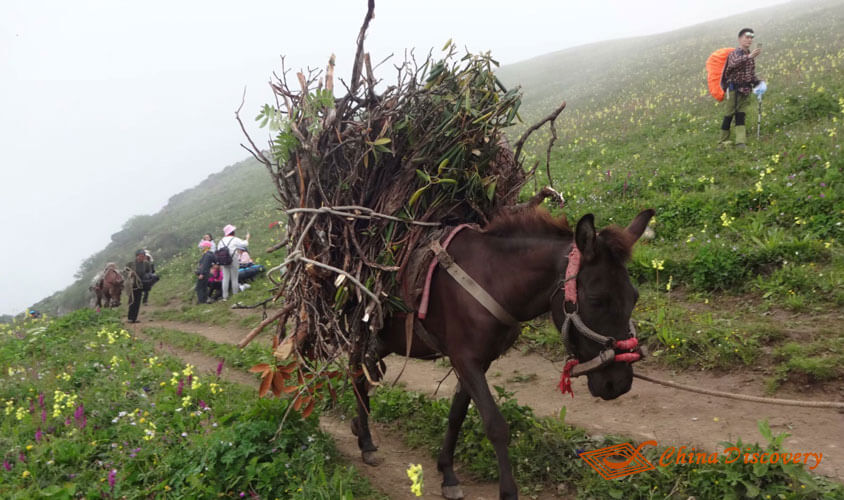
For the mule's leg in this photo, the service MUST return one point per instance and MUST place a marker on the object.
(360, 424)
(445, 462)
(495, 426)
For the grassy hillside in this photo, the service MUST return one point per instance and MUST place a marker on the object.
(240, 194)
(743, 238)
(747, 265)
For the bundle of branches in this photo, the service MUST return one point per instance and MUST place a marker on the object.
(363, 176)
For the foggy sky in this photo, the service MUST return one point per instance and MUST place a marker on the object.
(108, 108)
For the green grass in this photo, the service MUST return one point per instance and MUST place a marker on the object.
(545, 453)
(88, 411)
(761, 226)
(231, 355)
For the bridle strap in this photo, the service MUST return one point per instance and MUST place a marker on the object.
(470, 285)
(607, 356)
(572, 269)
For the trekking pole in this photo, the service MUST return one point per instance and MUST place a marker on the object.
(759, 90)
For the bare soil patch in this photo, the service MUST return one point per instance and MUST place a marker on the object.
(648, 411)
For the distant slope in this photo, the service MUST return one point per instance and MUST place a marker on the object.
(634, 72)
(637, 132)
(234, 195)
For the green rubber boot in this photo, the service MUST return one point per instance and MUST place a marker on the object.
(741, 136)
(724, 141)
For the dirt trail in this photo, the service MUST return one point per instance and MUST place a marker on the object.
(389, 477)
(648, 411)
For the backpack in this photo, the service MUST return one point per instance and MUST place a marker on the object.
(222, 255)
(715, 64)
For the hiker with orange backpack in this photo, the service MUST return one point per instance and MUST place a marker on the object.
(738, 80)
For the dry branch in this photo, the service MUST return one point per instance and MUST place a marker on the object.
(363, 177)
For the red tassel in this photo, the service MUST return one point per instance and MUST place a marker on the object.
(626, 345)
(565, 378)
(627, 357)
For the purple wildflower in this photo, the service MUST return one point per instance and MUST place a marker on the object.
(220, 367)
(111, 477)
(181, 387)
(41, 400)
(21, 457)
(7, 465)
(202, 404)
(823, 184)
(31, 406)
(190, 379)
(79, 415)
(38, 435)
(822, 195)
(43, 416)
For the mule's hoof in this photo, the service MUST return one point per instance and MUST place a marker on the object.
(452, 492)
(371, 458)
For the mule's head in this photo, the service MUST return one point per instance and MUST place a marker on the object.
(605, 300)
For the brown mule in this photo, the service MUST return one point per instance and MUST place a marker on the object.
(520, 259)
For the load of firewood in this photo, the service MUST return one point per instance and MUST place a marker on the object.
(364, 177)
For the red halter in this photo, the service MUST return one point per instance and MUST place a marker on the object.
(606, 356)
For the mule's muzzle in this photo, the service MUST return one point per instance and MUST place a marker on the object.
(625, 351)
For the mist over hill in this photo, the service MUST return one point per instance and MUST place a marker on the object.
(592, 76)
(644, 95)
(229, 195)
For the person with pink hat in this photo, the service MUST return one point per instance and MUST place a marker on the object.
(203, 271)
(233, 244)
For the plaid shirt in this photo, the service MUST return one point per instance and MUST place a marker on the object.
(741, 71)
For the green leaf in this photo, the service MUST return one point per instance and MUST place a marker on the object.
(447, 44)
(490, 190)
(417, 194)
(422, 175)
(380, 141)
(614, 493)
(765, 430)
(752, 489)
(442, 165)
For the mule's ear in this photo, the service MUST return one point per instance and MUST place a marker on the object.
(638, 225)
(584, 236)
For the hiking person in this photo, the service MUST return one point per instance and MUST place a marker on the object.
(215, 282)
(740, 77)
(152, 278)
(208, 237)
(231, 245)
(138, 272)
(203, 271)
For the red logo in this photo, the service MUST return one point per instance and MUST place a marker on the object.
(618, 460)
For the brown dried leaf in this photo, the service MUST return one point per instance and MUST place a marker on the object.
(302, 399)
(278, 383)
(288, 368)
(265, 384)
(260, 368)
(308, 409)
(284, 350)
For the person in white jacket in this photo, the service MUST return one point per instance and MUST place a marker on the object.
(233, 243)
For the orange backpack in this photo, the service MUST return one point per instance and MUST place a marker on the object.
(715, 64)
